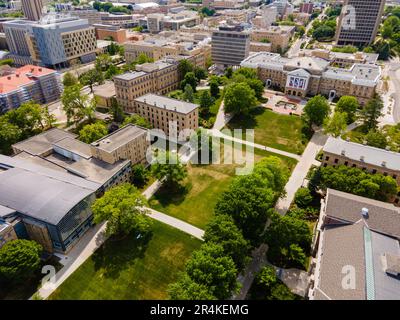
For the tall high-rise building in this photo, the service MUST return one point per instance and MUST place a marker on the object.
(230, 45)
(359, 22)
(33, 9)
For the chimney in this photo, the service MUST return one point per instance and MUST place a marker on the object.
(364, 213)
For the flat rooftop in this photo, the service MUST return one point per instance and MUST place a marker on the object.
(130, 75)
(119, 138)
(75, 146)
(106, 90)
(43, 142)
(166, 103)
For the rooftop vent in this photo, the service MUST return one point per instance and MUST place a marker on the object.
(364, 212)
(298, 63)
(362, 158)
(383, 163)
(343, 152)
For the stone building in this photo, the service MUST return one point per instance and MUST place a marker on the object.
(310, 76)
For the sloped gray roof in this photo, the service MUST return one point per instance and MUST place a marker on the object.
(382, 217)
(39, 196)
(354, 151)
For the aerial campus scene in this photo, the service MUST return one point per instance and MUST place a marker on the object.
(199, 150)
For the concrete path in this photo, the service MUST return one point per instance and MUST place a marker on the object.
(300, 171)
(259, 260)
(176, 223)
(150, 191)
(222, 118)
(295, 279)
(218, 133)
(86, 246)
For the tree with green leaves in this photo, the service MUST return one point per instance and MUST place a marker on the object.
(103, 62)
(167, 164)
(137, 120)
(117, 111)
(184, 67)
(77, 105)
(93, 132)
(336, 125)
(377, 139)
(200, 73)
(123, 209)
(214, 88)
(355, 181)
(350, 105)
(19, 260)
(316, 110)
(187, 289)
(267, 286)
(210, 266)
(140, 175)
(190, 79)
(112, 71)
(188, 94)
(303, 198)
(239, 98)
(284, 232)
(372, 112)
(206, 101)
(223, 231)
(69, 79)
(9, 134)
(92, 77)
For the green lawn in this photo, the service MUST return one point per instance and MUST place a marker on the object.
(274, 130)
(131, 269)
(195, 201)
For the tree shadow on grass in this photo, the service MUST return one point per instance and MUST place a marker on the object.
(175, 194)
(248, 121)
(115, 255)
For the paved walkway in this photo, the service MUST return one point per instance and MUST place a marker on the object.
(218, 133)
(300, 171)
(176, 223)
(222, 118)
(86, 246)
(295, 279)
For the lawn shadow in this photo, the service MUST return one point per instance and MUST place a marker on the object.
(115, 255)
(248, 121)
(172, 194)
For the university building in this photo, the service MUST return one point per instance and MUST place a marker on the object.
(338, 152)
(48, 186)
(310, 76)
(168, 114)
(29, 83)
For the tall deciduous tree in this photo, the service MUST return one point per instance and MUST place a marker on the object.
(336, 125)
(239, 98)
(69, 79)
(350, 105)
(123, 209)
(92, 77)
(77, 105)
(316, 110)
(169, 165)
(211, 267)
(93, 132)
(223, 231)
(19, 259)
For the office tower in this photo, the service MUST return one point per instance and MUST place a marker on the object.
(33, 9)
(359, 22)
(230, 45)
